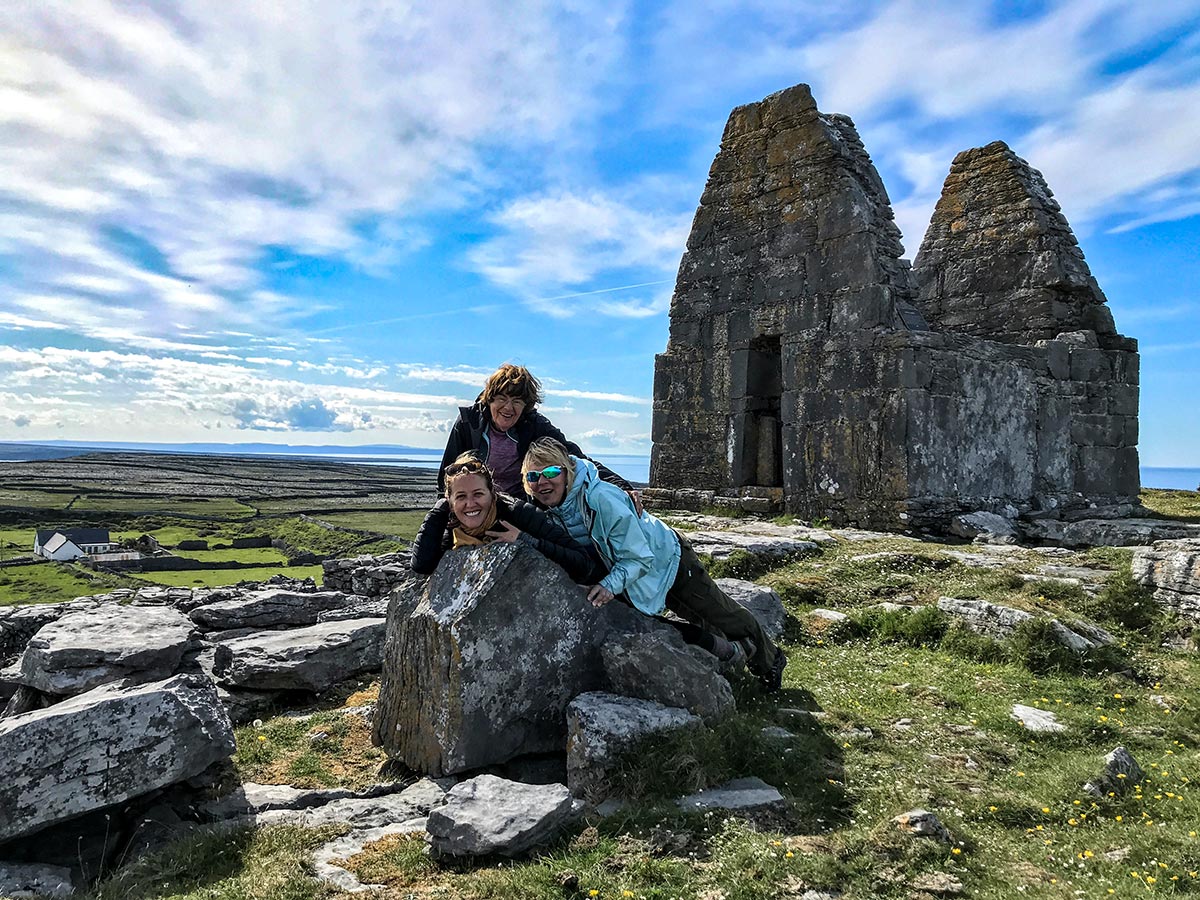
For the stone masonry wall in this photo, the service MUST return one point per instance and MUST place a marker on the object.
(793, 239)
(999, 260)
(803, 369)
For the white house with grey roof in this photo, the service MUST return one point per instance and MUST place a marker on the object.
(70, 543)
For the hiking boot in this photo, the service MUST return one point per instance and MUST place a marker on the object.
(772, 681)
(741, 651)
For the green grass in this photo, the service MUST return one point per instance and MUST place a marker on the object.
(396, 523)
(266, 556)
(307, 536)
(231, 865)
(913, 712)
(53, 582)
(282, 751)
(132, 504)
(1183, 505)
(16, 542)
(220, 577)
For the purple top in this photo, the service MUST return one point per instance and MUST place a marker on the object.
(502, 459)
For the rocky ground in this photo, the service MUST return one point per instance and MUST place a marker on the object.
(951, 724)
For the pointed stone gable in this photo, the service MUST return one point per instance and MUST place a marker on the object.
(794, 239)
(804, 370)
(999, 260)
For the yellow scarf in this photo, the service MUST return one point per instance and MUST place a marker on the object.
(476, 536)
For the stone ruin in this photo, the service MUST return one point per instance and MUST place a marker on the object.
(810, 369)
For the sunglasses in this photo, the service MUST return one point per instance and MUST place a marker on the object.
(547, 473)
(471, 466)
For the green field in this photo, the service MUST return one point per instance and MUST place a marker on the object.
(402, 524)
(220, 577)
(50, 582)
(201, 507)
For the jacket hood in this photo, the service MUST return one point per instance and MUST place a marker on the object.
(586, 474)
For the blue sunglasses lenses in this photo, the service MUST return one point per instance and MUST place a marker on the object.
(549, 472)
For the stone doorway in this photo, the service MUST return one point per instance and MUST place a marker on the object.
(758, 431)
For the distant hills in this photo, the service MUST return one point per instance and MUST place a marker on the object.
(15, 451)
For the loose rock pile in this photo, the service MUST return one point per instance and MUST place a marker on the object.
(500, 655)
(118, 702)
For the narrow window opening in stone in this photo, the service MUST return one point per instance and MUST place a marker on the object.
(761, 461)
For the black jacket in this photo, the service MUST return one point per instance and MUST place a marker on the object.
(469, 433)
(434, 538)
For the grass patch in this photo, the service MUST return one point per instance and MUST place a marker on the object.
(327, 749)
(51, 582)
(226, 865)
(1183, 506)
(222, 577)
(401, 524)
(309, 537)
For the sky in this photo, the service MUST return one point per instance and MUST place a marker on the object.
(328, 222)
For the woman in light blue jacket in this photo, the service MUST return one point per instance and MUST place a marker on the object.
(647, 560)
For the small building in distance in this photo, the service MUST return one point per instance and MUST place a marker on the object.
(63, 544)
(811, 369)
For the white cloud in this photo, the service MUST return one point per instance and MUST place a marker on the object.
(618, 414)
(596, 395)
(171, 145)
(548, 243)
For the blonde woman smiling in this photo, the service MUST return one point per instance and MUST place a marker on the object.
(473, 512)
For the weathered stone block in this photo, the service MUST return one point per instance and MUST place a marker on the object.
(107, 746)
(480, 667)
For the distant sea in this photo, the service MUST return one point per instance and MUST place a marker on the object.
(634, 467)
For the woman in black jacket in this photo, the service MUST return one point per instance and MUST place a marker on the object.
(473, 512)
(502, 424)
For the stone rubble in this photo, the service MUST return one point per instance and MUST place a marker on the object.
(488, 816)
(1121, 773)
(1171, 569)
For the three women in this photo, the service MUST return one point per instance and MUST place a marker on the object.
(501, 425)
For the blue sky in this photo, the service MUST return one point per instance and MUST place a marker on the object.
(327, 222)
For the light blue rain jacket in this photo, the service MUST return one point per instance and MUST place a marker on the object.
(642, 553)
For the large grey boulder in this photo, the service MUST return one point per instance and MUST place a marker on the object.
(85, 649)
(105, 747)
(272, 608)
(762, 602)
(722, 544)
(602, 726)
(481, 663)
(1172, 570)
(659, 666)
(985, 527)
(309, 659)
(20, 623)
(997, 621)
(489, 816)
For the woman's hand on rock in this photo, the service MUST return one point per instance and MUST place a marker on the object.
(636, 497)
(599, 595)
(505, 532)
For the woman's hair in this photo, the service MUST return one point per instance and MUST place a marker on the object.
(512, 381)
(468, 464)
(546, 451)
